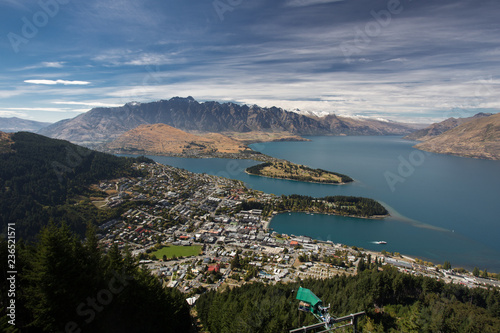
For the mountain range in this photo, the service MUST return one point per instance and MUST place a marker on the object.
(15, 124)
(101, 125)
(441, 127)
(478, 138)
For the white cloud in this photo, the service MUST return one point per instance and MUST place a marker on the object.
(11, 93)
(8, 113)
(91, 104)
(54, 82)
(45, 64)
(120, 57)
(40, 109)
(53, 64)
(397, 60)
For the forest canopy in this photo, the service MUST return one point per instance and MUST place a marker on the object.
(41, 180)
(64, 284)
(339, 204)
(393, 301)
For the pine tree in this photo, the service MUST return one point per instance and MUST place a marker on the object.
(54, 278)
(361, 265)
(235, 263)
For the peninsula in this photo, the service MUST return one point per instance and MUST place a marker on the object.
(292, 171)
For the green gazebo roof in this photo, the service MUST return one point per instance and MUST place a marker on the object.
(307, 296)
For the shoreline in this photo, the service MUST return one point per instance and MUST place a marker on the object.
(231, 156)
(374, 217)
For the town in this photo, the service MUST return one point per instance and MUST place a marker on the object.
(198, 232)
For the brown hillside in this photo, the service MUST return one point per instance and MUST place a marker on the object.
(478, 138)
(165, 139)
(439, 128)
(5, 143)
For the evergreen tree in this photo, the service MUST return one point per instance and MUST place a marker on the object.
(235, 263)
(361, 265)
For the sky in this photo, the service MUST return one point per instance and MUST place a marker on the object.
(404, 60)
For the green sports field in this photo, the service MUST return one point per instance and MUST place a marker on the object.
(178, 251)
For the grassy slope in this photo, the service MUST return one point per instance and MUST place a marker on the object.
(165, 139)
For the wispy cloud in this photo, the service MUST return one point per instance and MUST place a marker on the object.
(40, 109)
(425, 60)
(53, 64)
(125, 57)
(45, 64)
(8, 113)
(54, 82)
(91, 104)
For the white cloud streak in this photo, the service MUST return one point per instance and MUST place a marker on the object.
(8, 113)
(54, 82)
(41, 109)
(91, 104)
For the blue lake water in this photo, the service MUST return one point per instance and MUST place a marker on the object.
(442, 207)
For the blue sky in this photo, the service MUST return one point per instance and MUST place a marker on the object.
(407, 60)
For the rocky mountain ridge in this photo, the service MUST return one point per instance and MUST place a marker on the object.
(441, 127)
(477, 138)
(101, 125)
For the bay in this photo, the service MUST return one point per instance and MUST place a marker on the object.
(442, 207)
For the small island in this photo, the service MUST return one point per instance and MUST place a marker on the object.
(292, 171)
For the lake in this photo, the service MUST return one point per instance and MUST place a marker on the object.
(442, 207)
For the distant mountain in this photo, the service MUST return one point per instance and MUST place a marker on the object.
(312, 114)
(105, 124)
(15, 124)
(439, 128)
(165, 139)
(478, 138)
(351, 126)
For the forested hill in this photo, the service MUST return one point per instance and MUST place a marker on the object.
(393, 301)
(338, 204)
(42, 179)
(66, 285)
